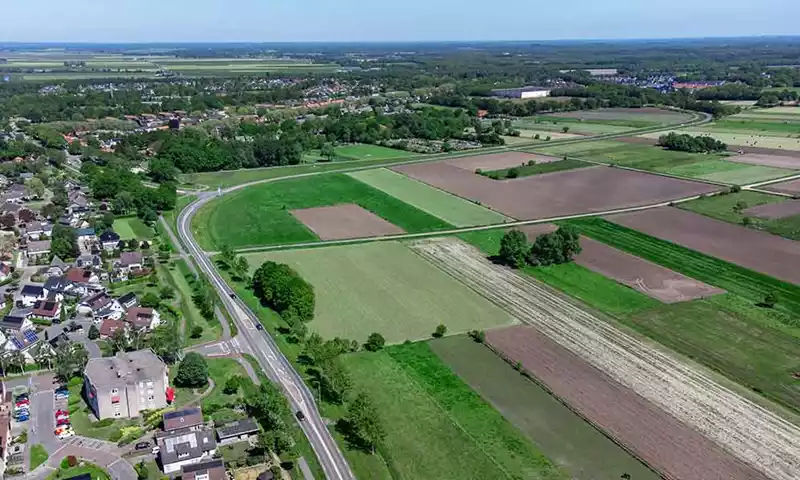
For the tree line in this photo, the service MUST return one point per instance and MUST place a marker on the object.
(552, 248)
(688, 143)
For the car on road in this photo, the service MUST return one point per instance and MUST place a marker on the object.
(142, 446)
(233, 295)
(259, 326)
(300, 415)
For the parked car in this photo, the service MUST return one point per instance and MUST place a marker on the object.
(21, 396)
(62, 395)
(61, 412)
(23, 418)
(155, 449)
(142, 446)
(62, 422)
(65, 434)
(17, 408)
(22, 403)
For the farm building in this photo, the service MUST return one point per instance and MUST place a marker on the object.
(522, 92)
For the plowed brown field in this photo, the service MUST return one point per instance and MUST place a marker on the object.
(344, 221)
(754, 435)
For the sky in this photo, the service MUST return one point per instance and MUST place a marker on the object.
(127, 21)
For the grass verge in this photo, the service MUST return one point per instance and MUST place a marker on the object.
(38, 455)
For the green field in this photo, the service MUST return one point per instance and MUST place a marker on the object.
(366, 152)
(656, 159)
(539, 168)
(629, 116)
(735, 279)
(437, 427)
(578, 448)
(773, 140)
(590, 287)
(557, 126)
(721, 207)
(131, 227)
(450, 208)
(758, 126)
(180, 279)
(260, 215)
(748, 344)
(384, 287)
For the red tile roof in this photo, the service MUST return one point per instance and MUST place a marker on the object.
(110, 326)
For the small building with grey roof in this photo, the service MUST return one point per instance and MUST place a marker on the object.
(185, 447)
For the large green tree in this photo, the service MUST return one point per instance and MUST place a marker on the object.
(192, 371)
(514, 249)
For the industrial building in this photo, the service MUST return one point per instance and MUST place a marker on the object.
(522, 92)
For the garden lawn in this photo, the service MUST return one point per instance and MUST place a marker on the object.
(260, 215)
(592, 288)
(364, 152)
(436, 426)
(576, 446)
(38, 455)
(384, 287)
(106, 429)
(721, 208)
(220, 370)
(450, 208)
(131, 227)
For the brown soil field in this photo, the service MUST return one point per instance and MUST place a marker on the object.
(780, 161)
(789, 208)
(340, 222)
(653, 280)
(660, 440)
(792, 187)
(533, 231)
(760, 251)
(684, 391)
(497, 161)
(584, 190)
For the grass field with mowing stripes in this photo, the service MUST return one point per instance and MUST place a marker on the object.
(364, 151)
(384, 287)
(540, 168)
(450, 208)
(573, 444)
(260, 215)
(437, 427)
(131, 227)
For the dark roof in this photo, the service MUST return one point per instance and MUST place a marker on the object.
(81, 232)
(83, 476)
(214, 469)
(127, 298)
(33, 290)
(188, 417)
(12, 322)
(239, 427)
(109, 236)
(56, 284)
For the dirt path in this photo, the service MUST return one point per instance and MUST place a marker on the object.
(765, 441)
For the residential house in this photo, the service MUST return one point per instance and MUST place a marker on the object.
(26, 342)
(109, 240)
(238, 431)
(89, 261)
(71, 185)
(83, 276)
(31, 293)
(109, 326)
(60, 286)
(129, 261)
(128, 300)
(85, 235)
(76, 200)
(185, 447)
(208, 470)
(5, 271)
(48, 309)
(12, 208)
(188, 418)
(141, 317)
(101, 306)
(16, 322)
(15, 193)
(35, 230)
(38, 250)
(125, 384)
(57, 267)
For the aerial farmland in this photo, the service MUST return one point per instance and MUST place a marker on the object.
(405, 249)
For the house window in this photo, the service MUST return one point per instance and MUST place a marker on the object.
(114, 391)
(149, 384)
(150, 398)
(201, 476)
(117, 413)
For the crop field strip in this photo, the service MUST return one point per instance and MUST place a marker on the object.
(754, 435)
(577, 447)
(437, 426)
(450, 208)
(384, 287)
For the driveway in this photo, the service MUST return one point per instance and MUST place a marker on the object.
(103, 454)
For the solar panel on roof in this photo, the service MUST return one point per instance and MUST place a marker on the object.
(30, 336)
(17, 343)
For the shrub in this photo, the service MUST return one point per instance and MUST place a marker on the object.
(440, 331)
(106, 422)
(512, 173)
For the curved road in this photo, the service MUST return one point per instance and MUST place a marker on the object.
(263, 346)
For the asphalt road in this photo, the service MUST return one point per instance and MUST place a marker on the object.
(269, 356)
